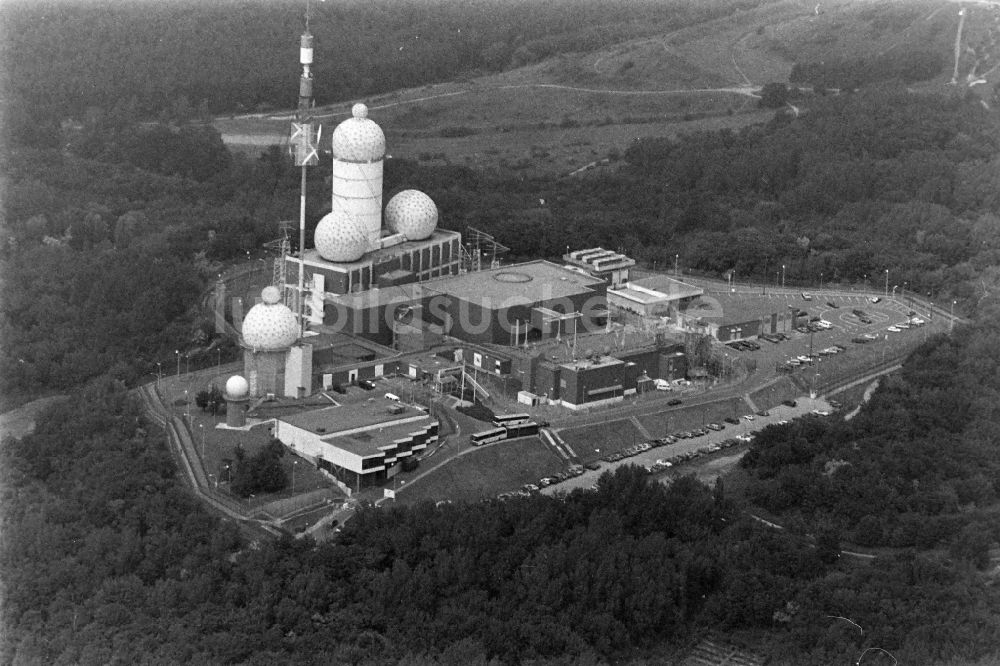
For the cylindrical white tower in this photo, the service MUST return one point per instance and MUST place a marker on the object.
(237, 399)
(269, 329)
(358, 147)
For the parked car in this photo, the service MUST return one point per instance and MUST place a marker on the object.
(674, 401)
(875, 299)
(366, 384)
(789, 403)
(832, 305)
(731, 420)
(806, 296)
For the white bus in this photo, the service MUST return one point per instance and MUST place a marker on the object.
(488, 436)
(500, 420)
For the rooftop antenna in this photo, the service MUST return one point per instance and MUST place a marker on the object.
(305, 142)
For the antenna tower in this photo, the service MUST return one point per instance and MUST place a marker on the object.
(283, 246)
(480, 246)
(305, 144)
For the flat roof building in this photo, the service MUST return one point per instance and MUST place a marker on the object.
(612, 267)
(361, 444)
(735, 316)
(656, 296)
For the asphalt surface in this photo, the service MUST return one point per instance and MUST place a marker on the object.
(803, 406)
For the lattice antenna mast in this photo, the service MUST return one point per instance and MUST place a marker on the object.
(283, 246)
(305, 143)
(481, 244)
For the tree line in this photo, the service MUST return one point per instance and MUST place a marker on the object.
(107, 559)
(229, 57)
(857, 184)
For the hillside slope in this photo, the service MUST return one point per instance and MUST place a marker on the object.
(576, 108)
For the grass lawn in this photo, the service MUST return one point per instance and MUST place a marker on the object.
(595, 441)
(486, 472)
(688, 418)
(775, 394)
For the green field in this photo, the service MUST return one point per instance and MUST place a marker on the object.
(486, 472)
(688, 418)
(775, 394)
(595, 441)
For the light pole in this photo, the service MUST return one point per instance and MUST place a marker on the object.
(177, 353)
(294, 464)
(187, 406)
(887, 282)
(201, 427)
(782, 276)
(187, 365)
(865, 277)
(677, 259)
(219, 362)
(159, 373)
(821, 281)
(951, 325)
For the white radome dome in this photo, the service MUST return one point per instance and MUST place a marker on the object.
(358, 139)
(270, 325)
(412, 214)
(339, 238)
(237, 387)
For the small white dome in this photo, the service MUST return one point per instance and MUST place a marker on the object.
(237, 387)
(270, 295)
(358, 139)
(339, 238)
(412, 214)
(270, 325)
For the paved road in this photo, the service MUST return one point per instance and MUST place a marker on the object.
(589, 478)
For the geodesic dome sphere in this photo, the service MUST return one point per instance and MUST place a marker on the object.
(358, 139)
(340, 238)
(237, 387)
(411, 213)
(270, 325)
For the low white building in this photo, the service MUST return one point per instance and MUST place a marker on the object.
(361, 444)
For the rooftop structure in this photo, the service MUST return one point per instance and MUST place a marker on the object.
(340, 420)
(361, 444)
(732, 316)
(270, 325)
(518, 284)
(656, 296)
(613, 267)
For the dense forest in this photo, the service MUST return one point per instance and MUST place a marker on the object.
(114, 224)
(102, 566)
(942, 410)
(880, 179)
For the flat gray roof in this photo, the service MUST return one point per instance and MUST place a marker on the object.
(673, 288)
(372, 442)
(517, 284)
(726, 309)
(338, 418)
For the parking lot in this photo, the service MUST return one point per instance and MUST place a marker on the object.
(697, 445)
(861, 341)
